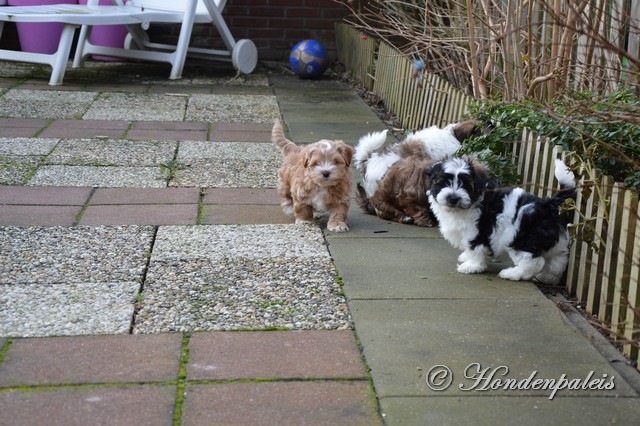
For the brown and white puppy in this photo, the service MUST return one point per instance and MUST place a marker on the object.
(394, 183)
(314, 179)
(402, 195)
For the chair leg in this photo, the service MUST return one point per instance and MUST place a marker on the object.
(78, 59)
(221, 25)
(61, 57)
(182, 46)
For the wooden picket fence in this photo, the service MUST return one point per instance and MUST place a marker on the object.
(383, 69)
(604, 263)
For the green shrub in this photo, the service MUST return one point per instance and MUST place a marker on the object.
(603, 131)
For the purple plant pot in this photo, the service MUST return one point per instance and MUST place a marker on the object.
(39, 37)
(107, 35)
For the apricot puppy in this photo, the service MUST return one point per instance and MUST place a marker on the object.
(314, 179)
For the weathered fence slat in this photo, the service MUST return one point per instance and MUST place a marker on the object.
(597, 259)
(632, 317)
(625, 259)
(611, 251)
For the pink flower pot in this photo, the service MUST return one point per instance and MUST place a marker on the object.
(39, 37)
(107, 35)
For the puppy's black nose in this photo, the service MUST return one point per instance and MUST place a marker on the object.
(453, 200)
(326, 174)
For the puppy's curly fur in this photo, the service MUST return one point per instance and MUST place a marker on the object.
(402, 194)
(394, 180)
(314, 179)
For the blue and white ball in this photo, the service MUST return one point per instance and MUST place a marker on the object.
(308, 59)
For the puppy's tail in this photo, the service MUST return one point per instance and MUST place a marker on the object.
(567, 181)
(366, 147)
(565, 176)
(278, 138)
(363, 201)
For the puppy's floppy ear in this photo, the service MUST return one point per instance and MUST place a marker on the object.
(481, 175)
(307, 157)
(346, 151)
(434, 169)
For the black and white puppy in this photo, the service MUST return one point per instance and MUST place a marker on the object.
(483, 220)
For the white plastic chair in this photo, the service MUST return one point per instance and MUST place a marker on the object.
(242, 54)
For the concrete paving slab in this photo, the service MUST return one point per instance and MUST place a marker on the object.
(48, 255)
(240, 277)
(112, 152)
(38, 215)
(235, 196)
(131, 196)
(148, 405)
(362, 225)
(32, 195)
(141, 214)
(15, 169)
(137, 107)
(92, 359)
(21, 131)
(529, 411)
(245, 214)
(249, 151)
(232, 108)
(226, 173)
(218, 242)
(241, 294)
(57, 104)
(275, 355)
(99, 176)
(172, 130)
(86, 129)
(280, 403)
(26, 146)
(317, 109)
(66, 309)
(404, 268)
(404, 339)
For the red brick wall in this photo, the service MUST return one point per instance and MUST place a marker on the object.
(275, 26)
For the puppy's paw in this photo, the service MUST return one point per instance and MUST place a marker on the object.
(288, 210)
(464, 256)
(337, 227)
(406, 220)
(513, 274)
(470, 267)
(424, 222)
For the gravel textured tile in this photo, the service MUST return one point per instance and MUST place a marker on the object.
(236, 277)
(15, 69)
(26, 146)
(233, 108)
(190, 150)
(227, 173)
(97, 176)
(110, 152)
(227, 165)
(137, 107)
(248, 241)
(56, 104)
(228, 80)
(69, 309)
(15, 169)
(51, 255)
